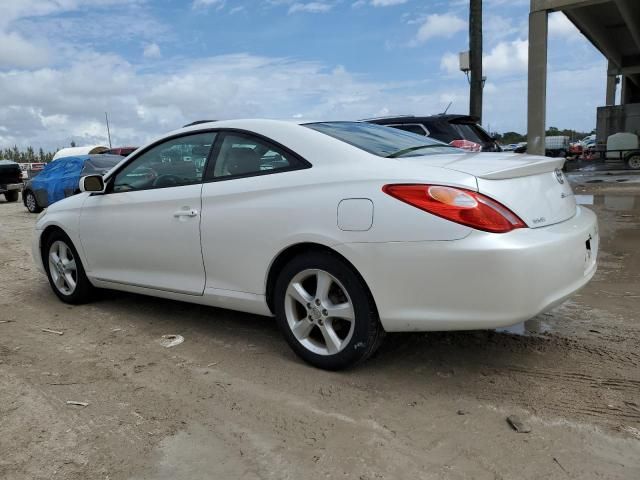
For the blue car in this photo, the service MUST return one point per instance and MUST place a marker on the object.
(60, 178)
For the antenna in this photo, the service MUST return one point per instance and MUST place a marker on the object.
(108, 131)
(447, 109)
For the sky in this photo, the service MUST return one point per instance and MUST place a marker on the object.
(155, 65)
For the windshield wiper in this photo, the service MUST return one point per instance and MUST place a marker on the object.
(404, 151)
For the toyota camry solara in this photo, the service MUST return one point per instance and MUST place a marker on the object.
(341, 230)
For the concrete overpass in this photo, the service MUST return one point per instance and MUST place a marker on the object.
(613, 27)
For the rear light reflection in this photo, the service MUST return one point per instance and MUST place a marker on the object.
(462, 206)
(467, 145)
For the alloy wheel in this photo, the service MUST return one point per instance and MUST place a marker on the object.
(31, 202)
(63, 268)
(319, 312)
(634, 162)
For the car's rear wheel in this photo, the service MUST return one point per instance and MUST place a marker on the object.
(634, 162)
(65, 271)
(11, 196)
(30, 202)
(326, 312)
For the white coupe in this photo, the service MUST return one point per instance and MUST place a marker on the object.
(341, 230)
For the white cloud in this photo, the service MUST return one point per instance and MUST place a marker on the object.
(208, 3)
(15, 51)
(310, 7)
(560, 26)
(29, 48)
(450, 63)
(507, 58)
(387, 3)
(499, 27)
(152, 50)
(378, 3)
(439, 25)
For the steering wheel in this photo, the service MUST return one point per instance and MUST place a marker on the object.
(167, 180)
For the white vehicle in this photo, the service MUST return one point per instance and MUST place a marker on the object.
(341, 230)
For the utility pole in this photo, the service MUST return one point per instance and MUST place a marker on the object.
(475, 58)
(108, 131)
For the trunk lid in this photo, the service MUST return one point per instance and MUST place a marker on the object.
(533, 187)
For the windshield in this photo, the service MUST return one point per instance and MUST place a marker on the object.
(382, 141)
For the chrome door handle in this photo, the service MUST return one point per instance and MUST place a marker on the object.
(186, 213)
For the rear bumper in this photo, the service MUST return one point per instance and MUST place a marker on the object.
(11, 186)
(482, 281)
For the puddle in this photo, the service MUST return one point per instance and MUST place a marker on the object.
(615, 203)
(584, 199)
(533, 327)
(585, 177)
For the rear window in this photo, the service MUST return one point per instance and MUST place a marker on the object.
(471, 132)
(411, 127)
(382, 141)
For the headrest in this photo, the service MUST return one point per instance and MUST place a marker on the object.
(242, 160)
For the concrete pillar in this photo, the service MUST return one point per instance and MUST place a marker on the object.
(537, 98)
(630, 91)
(612, 85)
(611, 90)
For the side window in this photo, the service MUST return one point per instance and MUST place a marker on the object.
(173, 163)
(246, 155)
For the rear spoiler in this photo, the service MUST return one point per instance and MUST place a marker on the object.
(543, 166)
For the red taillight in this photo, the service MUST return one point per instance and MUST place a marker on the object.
(467, 145)
(458, 205)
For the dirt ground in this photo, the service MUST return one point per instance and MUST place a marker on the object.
(233, 401)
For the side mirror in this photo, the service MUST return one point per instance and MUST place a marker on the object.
(92, 183)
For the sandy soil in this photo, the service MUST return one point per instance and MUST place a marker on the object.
(232, 401)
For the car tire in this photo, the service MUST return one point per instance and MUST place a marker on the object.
(12, 196)
(65, 270)
(30, 202)
(633, 161)
(332, 327)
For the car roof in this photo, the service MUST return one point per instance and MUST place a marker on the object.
(93, 156)
(247, 123)
(448, 117)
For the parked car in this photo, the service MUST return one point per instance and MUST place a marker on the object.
(510, 147)
(78, 151)
(30, 170)
(122, 151)
(342, 230)
(59, 179)
(10, 180)
(462, 131)
(556, 146)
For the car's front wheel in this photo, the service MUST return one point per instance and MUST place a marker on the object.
(30, 202)
(65, 271)
(326, 312)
